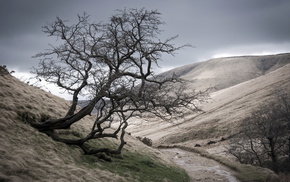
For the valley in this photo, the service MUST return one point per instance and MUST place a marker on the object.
(196, 142)
(225, 107)
(236, 92)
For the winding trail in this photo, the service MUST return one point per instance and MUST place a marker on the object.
(200, 168)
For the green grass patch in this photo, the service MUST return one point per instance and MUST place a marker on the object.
(136, 166)
(144, 168)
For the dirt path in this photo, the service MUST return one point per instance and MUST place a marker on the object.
(200, 168)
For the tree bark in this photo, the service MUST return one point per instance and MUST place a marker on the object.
(273, 154)
(289, 148)
(66, 122)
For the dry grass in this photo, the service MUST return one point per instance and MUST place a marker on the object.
(223, 114)
(28, 155)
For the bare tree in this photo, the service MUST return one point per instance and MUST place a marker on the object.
(284, 99)
(264, 137)
(247, 147)
(112, 65)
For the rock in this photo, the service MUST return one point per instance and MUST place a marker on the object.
(223, 139)
(211, 142)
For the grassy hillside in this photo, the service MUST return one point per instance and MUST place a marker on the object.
(28, 155)
(228, 107)
(225, 109)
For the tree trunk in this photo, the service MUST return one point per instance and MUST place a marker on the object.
(66, 122)
(289, 148)
(73, 107)
(273, 154)
(55, 137)
(75, 97)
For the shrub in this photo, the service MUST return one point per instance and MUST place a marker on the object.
(145, 140)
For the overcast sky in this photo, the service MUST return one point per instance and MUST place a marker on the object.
(214, 27)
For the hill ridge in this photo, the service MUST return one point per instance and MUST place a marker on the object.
(220, 73)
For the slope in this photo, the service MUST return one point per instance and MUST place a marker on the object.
(28, 155)
(227, 107)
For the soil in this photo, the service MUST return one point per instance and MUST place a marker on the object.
(200, 168)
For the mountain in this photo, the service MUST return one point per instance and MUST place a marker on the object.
(239, 85)
(29, 155)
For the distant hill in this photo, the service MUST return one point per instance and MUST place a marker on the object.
(221, 73)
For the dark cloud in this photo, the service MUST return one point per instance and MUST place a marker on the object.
(22, 17)
(223, 27)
